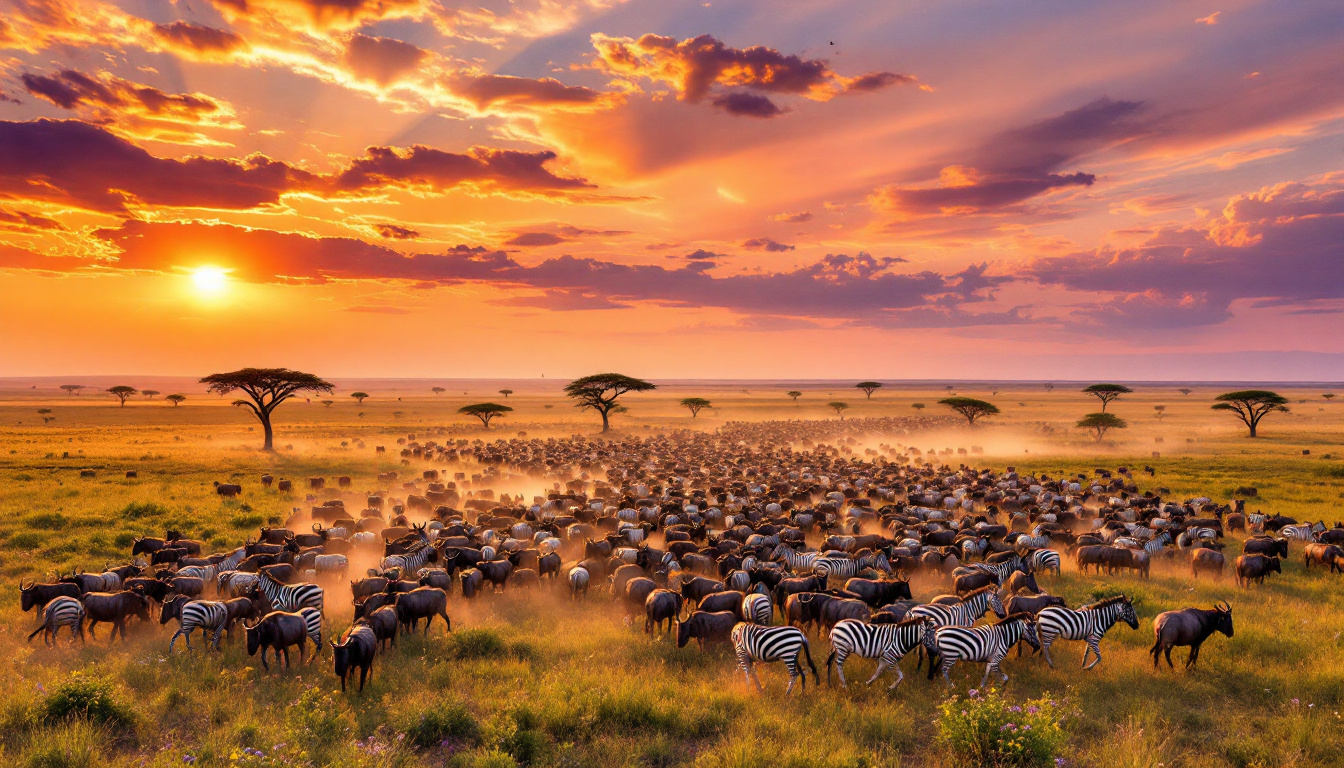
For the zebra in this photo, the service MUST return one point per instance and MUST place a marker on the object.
(206, 614)
(1045, 560)
(754, 643)
(756, 608)
(290, 597)
(1297, 532)
(1002, 570)
(235, 583)
(312, 619)
(964, 613)
(232, 561)
(888, 643)
(798, 562)
(1158, 543)
(1088, 623)
(206, 573)
(846, 568)
(987, 644)
(414, 560)
(63, 611)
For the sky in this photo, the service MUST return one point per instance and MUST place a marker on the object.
(1145, 190)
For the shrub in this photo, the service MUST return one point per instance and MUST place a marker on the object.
(26, 540)
(124, 540)
(1248, 491)
(476, 644)
(138, 509)
(242, 522)
(46, 521)
(449, 722)
(986, 730)
(88, 699)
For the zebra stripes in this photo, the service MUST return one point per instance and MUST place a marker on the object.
(63, 611)
(962, 614)
(205, 614)
(1045, 560)
(290, 597)
(983, 644)
(1089, 623)
(235, 583)
(411, 561)
(757, 609)
(888, 643)
(798, 562)
(206, 573)
(1001, 570)
(231, 562)
(754, 643)
(312, 619)
(847, 568)
(1297, 532)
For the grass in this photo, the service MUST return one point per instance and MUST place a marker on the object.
(533, 679)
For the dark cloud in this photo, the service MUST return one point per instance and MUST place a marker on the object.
(1279, 246)
(382, 59)
(563, 301)
(396, 232)
(197, 38)
(71, 89)
(702, 66)
(535, 239)
(488, 90)
(766, 244)
(748, 104)
(701, 254)
(27, 222)
(481, 169)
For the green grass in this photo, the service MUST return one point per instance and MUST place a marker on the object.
(533, 679)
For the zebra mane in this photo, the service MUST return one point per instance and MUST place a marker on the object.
(975, 592)
(909, 621)
(1104, 603)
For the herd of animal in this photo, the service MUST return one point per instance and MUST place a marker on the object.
(755, 537)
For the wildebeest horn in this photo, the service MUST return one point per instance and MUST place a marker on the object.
(317, 527)
(1223, 606)
(23, 588)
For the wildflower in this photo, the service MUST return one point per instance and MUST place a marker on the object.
(1014, 708)
(974, 693)
(1295, 702)
(1032, 710)
(1059, 762)
(188, 759)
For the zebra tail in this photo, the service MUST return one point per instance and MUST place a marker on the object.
(829, 659)
(807, 654)
(35, 631)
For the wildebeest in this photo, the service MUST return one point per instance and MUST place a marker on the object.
(384, 622)
(356, 649)
(730, 601)
(578, 582)
(115, 608)
(878, 592)
(422, 603)
(707, 627)
(696, 588)
(1256, 568)
(1265, 545)
(1315, 554)
(38, 595)
(1206, 560)
(277, 631)
(662, 605)
(1188, 627)
(228, 490)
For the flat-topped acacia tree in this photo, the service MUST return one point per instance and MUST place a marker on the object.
(1251, 405)
(969, 407)
(122, 393)
(266, 388)
(175, 399)
(1107, 392)
(695, 404)
(869, 387)
(72, 389)
(839, 407)
(484, 411)
(601, 390)
(1099, 423)
(794, 394)
(506, 393)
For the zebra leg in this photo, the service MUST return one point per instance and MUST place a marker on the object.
(899, 677)
(948, 663)
(840, 657)
(1046, 640)
(882, 665)
(219, 633)
(1094, 646)
(793, 676)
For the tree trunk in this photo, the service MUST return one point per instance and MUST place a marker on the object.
(266, 429)
(606, 425)
(1252, 425)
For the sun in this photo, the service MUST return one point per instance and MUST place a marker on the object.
(210, 281)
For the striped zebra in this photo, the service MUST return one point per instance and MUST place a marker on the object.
(207, 615)
(848, 568)
(964, 613)
(206, 573)
(988, 644)
(290, 597)
(798, 562)
(1158, 543)
(888, 643)
(756, 608)
(312, 619)
(1002, 570)
(1297, 532)
(231, 562)
(1088, 623)
(64, 611)
(754, 643)
(235, 583)
(1044, 560)
(412, 561)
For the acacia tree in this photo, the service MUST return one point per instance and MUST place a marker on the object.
(437, 390)
(795, 394)
(359, 396)
(969, 407)
(869, 387)
(601, 390)
(506, 393)
(175, 399)
(917, 406)
(1161, 410)
(122, 392)
(484, 411)
(1185, 391)
(1251, 405)
(1100, 422)
(1107, 392)
(149, 393)
(1329, 396)
(266, 389)
(327, 403)
(838, 407)
(694, 404)
(72, 389)
(45, 413)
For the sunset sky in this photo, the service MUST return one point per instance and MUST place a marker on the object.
(673, 189)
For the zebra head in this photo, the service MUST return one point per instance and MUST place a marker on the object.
(996, 604)
(1029, 634)
(1127, 614)
(929, 636)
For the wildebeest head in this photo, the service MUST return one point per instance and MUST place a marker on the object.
(683, 633)
(341, 653)
(172, 609)
(253, 637)
(1222, 621)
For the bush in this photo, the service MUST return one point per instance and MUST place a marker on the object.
(242, 522)
(986, 730)
(54, 521)
(450, 722)
(87, 699)
(1247, 491)
(476, 644)
(137, 510)
(26, 540)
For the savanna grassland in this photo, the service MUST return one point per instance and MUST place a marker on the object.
(535, 679)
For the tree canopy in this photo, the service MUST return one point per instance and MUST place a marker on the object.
(869, 387)
(506, 393)
(1099, 423)
(601, 390)
(917, 406)
(969, 407)
(795, 394)
(359, 396)
(694, 404)
(71, 389)
(266, 388)
(437, 390)
(175, 399)
(1251, 405)
(484, 411)
(1107, 392)
(122, 392)
(149, 393)
(838, 406)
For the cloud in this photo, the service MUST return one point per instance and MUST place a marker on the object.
(1279, 246)
(535, 239)
(480, 169)
(766, 244)
(490, 90)
(382, 59)
(563, 301)
(323, 14)
(198, 39)
(396, 232)
(793, 218)
(1209, 20)
(139, 110)
(703, 67)
(23, 221)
